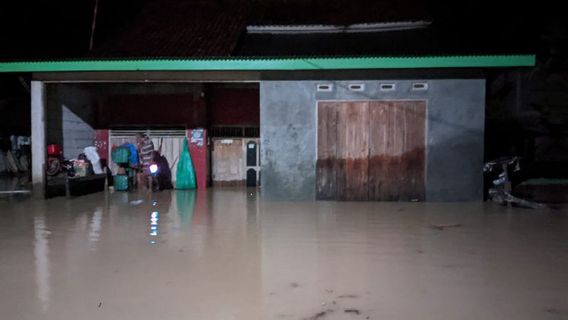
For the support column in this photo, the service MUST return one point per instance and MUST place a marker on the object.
(38, 105)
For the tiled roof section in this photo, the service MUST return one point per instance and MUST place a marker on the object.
(168, 28)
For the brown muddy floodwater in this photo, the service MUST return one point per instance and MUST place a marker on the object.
(224, 254)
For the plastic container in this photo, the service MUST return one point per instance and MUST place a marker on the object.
(80, 168)
(120, 155)
(120, 182)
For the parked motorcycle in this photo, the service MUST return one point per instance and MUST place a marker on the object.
(56, 164)
(499, 171)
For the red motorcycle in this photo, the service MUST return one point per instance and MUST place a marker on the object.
(56, 164)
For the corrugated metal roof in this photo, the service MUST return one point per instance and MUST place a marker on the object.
(337, 12)
(352, 28)
(260, 64)
(426, 41)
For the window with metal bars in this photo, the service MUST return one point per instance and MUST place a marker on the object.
(235, 132)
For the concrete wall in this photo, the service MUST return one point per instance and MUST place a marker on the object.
(70, 118)
(288, 139)
(454, 134)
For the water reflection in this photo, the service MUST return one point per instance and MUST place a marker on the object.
(41, 255)
(185, 201)
(154, 218)
(95, 227)
(238, 257)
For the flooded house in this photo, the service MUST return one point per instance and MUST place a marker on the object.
(362, 110)
(337, 147)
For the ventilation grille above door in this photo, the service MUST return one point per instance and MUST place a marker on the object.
(325, 87)
(420, 86)
(388, 87)
(356, 87)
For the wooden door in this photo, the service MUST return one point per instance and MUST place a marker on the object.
(327, 151)
(352, 151)
(227, 162)
(396, 150)
(343, 151)
(371, 150)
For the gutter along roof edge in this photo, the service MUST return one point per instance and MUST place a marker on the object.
(272, 64)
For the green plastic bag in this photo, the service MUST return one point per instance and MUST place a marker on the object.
(185, 177)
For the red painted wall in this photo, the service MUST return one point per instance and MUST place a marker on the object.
(152, 110)
(234, 106)
(220, 107)
(101, 142)
(199, 158)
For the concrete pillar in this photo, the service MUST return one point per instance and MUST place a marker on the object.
(39, 153)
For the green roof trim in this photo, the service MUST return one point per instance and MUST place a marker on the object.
(269, 64)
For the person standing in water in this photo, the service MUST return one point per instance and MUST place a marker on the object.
(145, 151)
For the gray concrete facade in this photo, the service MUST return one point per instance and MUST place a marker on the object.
(454, 134)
